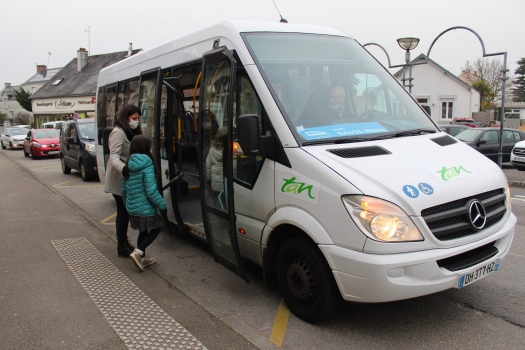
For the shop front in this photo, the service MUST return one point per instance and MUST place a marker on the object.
(63, 108)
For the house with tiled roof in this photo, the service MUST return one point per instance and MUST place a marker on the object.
(71, 93)
(42, 76)
(9, 105)
(446, 95)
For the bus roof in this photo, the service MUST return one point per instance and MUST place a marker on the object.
(191, 46)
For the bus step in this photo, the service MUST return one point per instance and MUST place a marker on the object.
(196, 230)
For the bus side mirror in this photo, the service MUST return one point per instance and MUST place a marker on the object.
(247, 134)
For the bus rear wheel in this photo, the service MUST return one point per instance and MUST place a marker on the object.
(306, 281)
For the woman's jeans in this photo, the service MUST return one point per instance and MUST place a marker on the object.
(122, 223)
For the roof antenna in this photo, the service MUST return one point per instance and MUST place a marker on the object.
(282, 19)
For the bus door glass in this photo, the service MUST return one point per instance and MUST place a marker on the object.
(181, 148)
(216, 106)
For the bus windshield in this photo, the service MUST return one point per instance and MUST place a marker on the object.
(329, 88)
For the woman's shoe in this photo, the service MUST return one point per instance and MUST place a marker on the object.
(137, 259)
(148, 261)
(125, 249)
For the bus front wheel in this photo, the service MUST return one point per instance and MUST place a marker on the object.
(306, 281)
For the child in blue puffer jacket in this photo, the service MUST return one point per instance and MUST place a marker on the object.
(142, 199)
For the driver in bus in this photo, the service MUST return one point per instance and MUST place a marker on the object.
(326, 106)
(337, 105)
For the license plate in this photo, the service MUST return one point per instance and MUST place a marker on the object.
(478, 273)
(519, 159)
(52, 152)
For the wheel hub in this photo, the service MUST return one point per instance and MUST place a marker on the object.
(301, 282)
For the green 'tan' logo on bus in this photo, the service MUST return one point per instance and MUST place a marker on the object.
(296, 187)
(449, 173)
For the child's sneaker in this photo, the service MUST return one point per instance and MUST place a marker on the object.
(137, 259)
(148, 261)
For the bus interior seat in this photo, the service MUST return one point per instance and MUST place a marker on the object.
(315, 108)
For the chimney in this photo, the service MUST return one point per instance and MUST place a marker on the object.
(40, 67)
(7, 85)
(82, 59)
(130, 50)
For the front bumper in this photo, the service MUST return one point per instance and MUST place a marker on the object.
(17, 143)
(45, 151)
(373, 278)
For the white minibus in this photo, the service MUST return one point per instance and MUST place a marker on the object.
(290, 146)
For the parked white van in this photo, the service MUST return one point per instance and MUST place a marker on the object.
(51, 125)
(326, 172)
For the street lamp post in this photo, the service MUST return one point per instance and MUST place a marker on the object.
(408, 44)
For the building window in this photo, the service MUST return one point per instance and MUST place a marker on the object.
(422, 100)
(5, 102)
(33, 89)
(447, 109)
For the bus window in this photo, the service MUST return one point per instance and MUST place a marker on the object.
(128, 93)
(247, 102)
(111, 105)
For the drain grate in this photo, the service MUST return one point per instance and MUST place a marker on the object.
(136, 319)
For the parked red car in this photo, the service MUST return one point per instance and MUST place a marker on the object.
(464, 121)
(42, 143)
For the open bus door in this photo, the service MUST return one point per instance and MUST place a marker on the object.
(216, 105)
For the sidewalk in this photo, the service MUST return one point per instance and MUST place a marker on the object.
(44, 304)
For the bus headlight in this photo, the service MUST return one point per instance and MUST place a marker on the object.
(507, 193)
(381, 220)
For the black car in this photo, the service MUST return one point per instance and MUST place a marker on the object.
(453, 130)
(77, 147)
(486, 141)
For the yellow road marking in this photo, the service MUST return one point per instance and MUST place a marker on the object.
(109, 218)
(280, 323)
(63, 183)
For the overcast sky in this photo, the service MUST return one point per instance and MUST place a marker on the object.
(32, 28)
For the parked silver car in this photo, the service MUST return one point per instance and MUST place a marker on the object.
(13, 137)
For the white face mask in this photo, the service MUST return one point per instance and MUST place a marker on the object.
(133, 124)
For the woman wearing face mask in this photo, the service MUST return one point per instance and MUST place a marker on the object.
(127, 126)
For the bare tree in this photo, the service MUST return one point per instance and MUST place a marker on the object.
(488, 70)
(23, 118)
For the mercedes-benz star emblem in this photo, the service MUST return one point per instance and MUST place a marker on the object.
(53, 145)
(477, 215)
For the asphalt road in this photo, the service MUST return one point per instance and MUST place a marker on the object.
(489, 314)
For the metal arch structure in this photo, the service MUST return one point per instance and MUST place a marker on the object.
(485, 54)
(407, 64)
(503, 78)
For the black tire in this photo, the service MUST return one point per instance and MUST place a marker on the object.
(31, 154)
(306, 281)
(25, 153)
(83, 172)
(65, 168)
(3, 147)
(11, 146)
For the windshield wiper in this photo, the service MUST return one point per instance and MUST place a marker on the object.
(347, 140)
(317, 142)
(414, 132)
